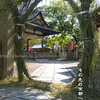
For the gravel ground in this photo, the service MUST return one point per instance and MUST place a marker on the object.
(31, 66)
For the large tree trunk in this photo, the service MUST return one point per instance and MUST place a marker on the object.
(20, 18)
(88, 36)
(85, 22)
(19, 53)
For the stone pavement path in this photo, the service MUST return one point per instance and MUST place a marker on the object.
(18, 93)
(51, 71)
(56, 72)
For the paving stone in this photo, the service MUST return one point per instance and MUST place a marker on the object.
(18, 93)
(52, 71)
(56, 72)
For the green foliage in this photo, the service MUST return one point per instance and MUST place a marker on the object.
(13, 82)
(93, 6)
(51, 41)
(57, 13)
(61, 17)
(32, 42)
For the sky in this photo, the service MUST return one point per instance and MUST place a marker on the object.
(47, 2)
(98, 1)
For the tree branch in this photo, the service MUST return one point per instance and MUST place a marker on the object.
(11, 5)
(73, 5)
(93, 13)
(30, 9)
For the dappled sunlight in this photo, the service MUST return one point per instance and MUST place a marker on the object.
(56, 72)
(52, 46)
(23, 93)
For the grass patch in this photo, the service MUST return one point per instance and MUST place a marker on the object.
(13, 82)
(65, 92)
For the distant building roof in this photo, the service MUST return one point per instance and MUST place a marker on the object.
(40, 30)
(39, 45)
(36, 13)
(36, 25)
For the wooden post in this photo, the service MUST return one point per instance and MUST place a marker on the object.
(59, 50)
(63, 55)
(28, 44)
(42, 45)
(76, 51)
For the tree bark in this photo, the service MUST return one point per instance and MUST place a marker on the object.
(88, 36)
(19, 53)
(20, 18)
(85, 22)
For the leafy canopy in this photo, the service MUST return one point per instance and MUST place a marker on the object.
(60, 16)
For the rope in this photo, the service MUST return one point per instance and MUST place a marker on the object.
(20, 24)
(82, 12)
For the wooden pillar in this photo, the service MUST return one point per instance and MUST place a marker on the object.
(59, 49)
(63, 51)
(28, 44)
(42, 45)
(76, 52)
